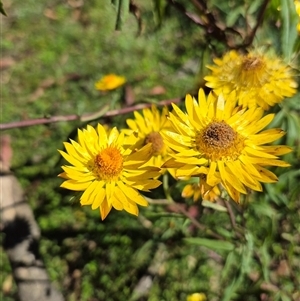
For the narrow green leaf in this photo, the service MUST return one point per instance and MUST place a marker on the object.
(224, 232)
(230, 290)
(123, 11)
(210, 243)
(265, 258)
(159, 7)
(231, 262)
(289, 29)
(263, 208)
(247, 254)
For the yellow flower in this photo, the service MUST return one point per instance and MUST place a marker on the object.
(148, 128)
(109, 174)
(201, 189)
(256, 78)
(110, 82)
(224, 142)
(196, 297)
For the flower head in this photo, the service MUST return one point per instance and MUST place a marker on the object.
(256, 78)
(196, 297)
(148, 128)
(108, 173)
(200, 188)
(110, 82)
(224, 142)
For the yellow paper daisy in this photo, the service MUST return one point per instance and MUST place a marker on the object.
(109, 174)
(148, 128)
(224, 142)
(256, 78)
(201, 189)
(196, 297)
(110, 82)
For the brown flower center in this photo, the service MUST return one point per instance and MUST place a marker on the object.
(157, 142)
(218, 141)
(252, 73)
(252, 63)
(108, 164)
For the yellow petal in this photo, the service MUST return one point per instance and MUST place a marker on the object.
(227, 177)
(262, 123)
(257, 153)
(116, 203)
(186, 171)
(75, 186)
(266, 175)
(220, 107)
(109, 190)
(71, 159)
(187, 191)
(212, 179)
(235, 195)
(131, 208)
(86, 196)
(104, 209)
(131, 124)
(244, 176)
(128, 191)
(267, 136)
(78, 175)
(180, 114)
(247, 165)
(268, 162)
(277, 150)
(102, 136)
(138, 158)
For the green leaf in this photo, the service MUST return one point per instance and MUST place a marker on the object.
(159, 8)
(247, 254)
(231, 262)
(232, 18)
(224, 232)
(289, 29)
(230, 290)
(293, 128)
(265, 258)
(2, 11)
(210, 243)
(123, 11)
(262, 208)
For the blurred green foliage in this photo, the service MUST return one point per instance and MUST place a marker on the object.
(57, 50)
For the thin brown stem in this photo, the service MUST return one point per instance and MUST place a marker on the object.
(230, 213)
(103, 112)
(232, 219)
(250, 37)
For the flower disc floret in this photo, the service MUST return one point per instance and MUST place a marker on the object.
(218, 141)
(157, 142)
(108, 164)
